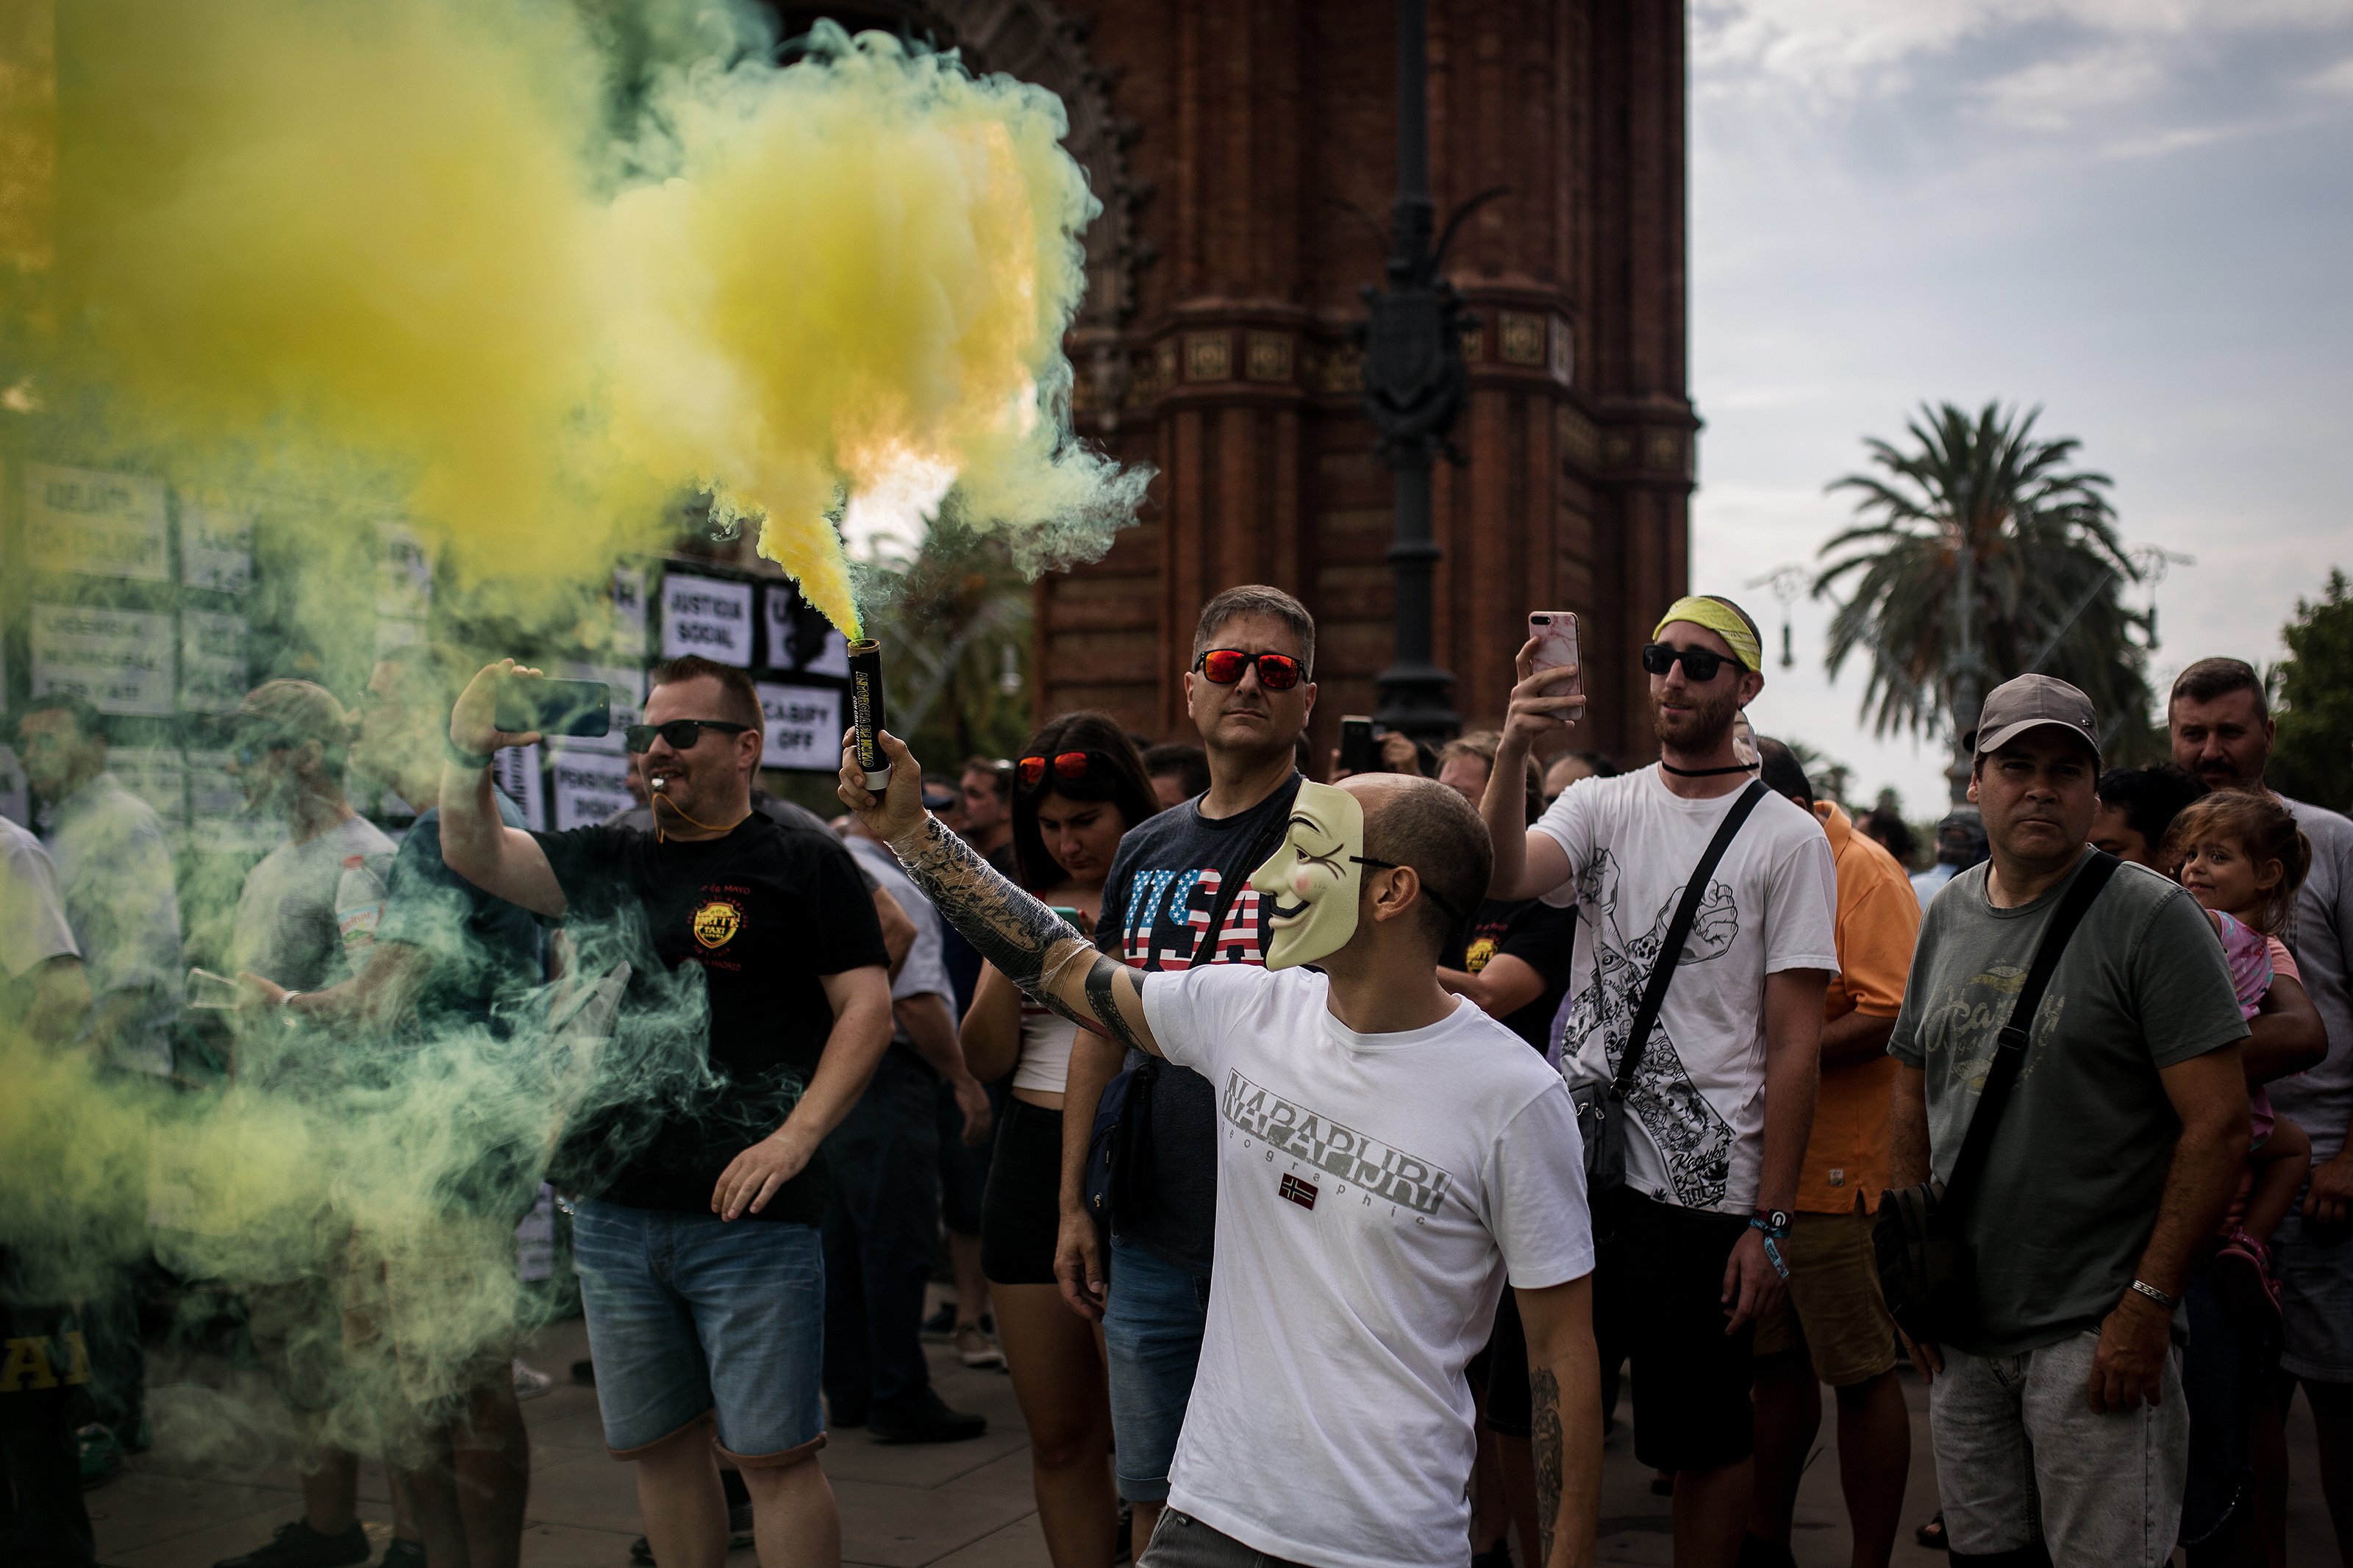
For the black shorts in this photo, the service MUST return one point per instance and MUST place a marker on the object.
(1658, 1290)
(1510, 1409)
(1020, 1213)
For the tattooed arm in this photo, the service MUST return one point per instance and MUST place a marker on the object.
(1564, 1390)
(1034, 946)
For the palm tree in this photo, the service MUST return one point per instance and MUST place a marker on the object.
(1981, 554)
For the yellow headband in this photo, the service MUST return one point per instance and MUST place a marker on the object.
(1718, 617)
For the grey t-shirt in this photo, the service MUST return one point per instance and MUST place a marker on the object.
(2078, 1163)
(286, 929)
(2321, 936)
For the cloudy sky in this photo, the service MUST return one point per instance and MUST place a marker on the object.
(2138, 214)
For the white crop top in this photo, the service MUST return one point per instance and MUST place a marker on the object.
(1046, 1040)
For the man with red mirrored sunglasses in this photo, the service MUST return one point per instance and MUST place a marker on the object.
(1176, 876)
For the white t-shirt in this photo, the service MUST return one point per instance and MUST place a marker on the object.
(1698, 1133)
(1372, 1192)
(32, 926)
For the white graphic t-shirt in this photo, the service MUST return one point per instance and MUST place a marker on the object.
(1698, 1097)
(1372, 1192)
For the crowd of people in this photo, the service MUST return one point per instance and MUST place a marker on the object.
(1328, 1161)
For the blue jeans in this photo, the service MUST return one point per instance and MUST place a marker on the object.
(882, 1233)
(1152, 1322)
(689, 1313)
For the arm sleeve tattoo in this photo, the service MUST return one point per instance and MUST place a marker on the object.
(1022, 937)
(1544, 1390)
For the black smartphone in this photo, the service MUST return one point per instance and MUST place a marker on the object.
(529, 702)
(1356, 753)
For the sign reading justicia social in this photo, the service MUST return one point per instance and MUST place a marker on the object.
(706, 616)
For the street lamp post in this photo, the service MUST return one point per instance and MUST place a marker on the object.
(1413, 391)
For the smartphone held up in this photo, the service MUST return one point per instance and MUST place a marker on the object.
(534, 702)
(1554, 633)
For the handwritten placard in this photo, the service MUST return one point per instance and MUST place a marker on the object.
(589, 787)
(798, 638)
(517, 772)
(217, 545)
(804, 726)
(105, 525)
(707, 615)
(214, 673)
(121, 660)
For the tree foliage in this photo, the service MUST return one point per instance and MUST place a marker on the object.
(2045, 563)
(2312, 757)
(954, 620)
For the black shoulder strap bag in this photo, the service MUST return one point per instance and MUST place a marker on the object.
(1601, 1109)
(1925, 1268)
(1119, 1144)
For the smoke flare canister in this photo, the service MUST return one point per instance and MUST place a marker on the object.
(866, 711)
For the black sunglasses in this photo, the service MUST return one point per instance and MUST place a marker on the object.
(1700, 664)
(1434, 896)
(681, 733)
(1224, 666)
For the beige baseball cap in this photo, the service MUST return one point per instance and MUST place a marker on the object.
(297, 710)
(2019, 705)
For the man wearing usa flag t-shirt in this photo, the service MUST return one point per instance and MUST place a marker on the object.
(1250, 693)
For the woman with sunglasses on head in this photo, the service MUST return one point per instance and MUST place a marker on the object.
(1078, 788)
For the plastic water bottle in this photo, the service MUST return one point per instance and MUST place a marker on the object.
(359, 906)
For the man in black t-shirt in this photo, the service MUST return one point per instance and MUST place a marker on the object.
(701, 1268)
(1249, 695)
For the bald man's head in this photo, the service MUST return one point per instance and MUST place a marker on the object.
(1419, 822)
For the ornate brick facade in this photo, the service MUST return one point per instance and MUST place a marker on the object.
(1238, 147)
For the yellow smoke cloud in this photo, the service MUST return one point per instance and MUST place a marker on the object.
(453, 255)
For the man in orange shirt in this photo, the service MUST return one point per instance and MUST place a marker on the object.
(1833, 1313)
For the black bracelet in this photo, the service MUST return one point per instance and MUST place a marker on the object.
(463, 758)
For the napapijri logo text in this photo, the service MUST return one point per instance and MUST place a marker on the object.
(1349, 1156)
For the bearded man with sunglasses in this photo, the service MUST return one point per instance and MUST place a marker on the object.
(1249, 695)
(1722, 1098)
(701, 1265)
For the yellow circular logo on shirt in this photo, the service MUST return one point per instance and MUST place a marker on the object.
(716, 922)
(1475, 957)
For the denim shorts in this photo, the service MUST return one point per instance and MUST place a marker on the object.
(2315, 1269)
(691, 1316)
(1152, 1322)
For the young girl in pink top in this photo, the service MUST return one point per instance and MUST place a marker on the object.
(2243, 857)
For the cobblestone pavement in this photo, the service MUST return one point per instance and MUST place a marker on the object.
(218, 1482)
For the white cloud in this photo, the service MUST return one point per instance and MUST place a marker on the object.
(1838, 50)
(2054, 94)
(2338, 78)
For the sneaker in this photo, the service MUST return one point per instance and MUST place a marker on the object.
(739, 1535)
(933, 1422)
(975, 1348)
(297, 1546)
(530, 1382)
(2243, 1272)
(399, 1553)
(101, 1453)
(940, 1328)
